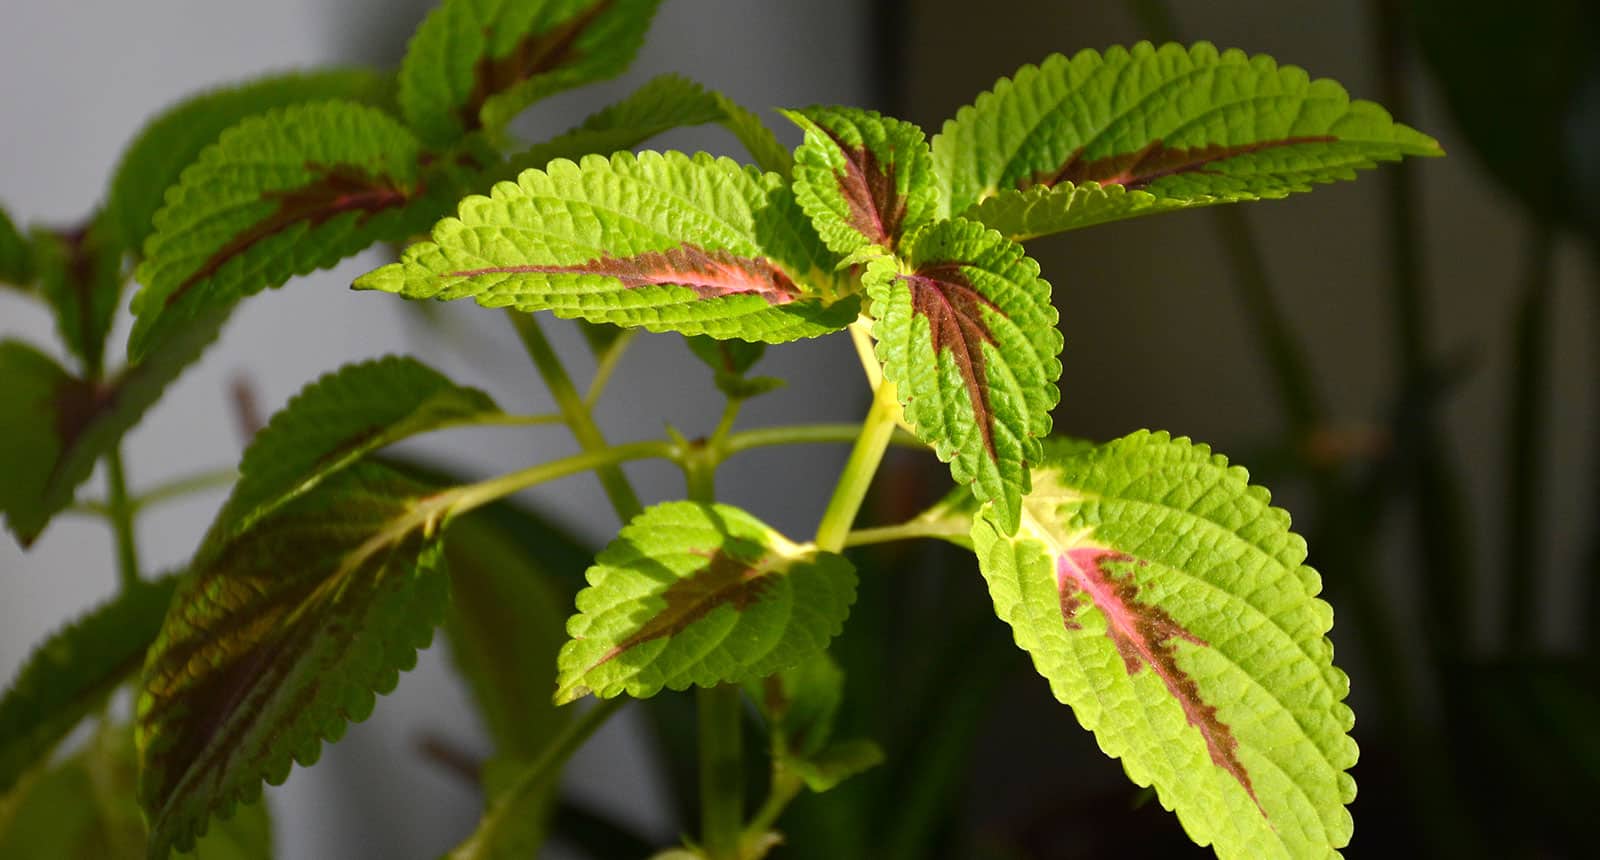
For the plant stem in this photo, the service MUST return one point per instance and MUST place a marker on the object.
(575, 412)
(721, 771)
(940, 529)
(785, 786)
(803, 434)
(462, 499)
(177, 488)
(606, 366)
(121, 512)
(548, 765)
(859, 469)
(1524, 558)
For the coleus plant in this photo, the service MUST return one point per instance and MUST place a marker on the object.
(1158, 592)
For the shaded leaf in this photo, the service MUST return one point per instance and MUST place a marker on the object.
(1167, 603)
(86, 807)
(156, 157)
(1173, 126)
(336, 421)
(56, 426)
(279, 195)
(658, 240)
(829, 767)
(474, 65)
(16, 257)
(71, 673)
(79, 274)
(800, 703)
(865, 179)
(699, 594)
(279, 638)
(967, 333)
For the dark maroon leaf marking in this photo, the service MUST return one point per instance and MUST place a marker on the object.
(725, 581)
(711, 274)
(1144, 635)
(943, 294)
(337, 189)
(535, 54)
(868, 188)
(1135, 170)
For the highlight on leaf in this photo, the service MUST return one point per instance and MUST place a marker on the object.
(700, 594)
(1172, 126)
(278, 195)
(661, 241)
(154, 160)
(966, 331)
(474, 65)
(280, 637)
(1168, 604)
(865, 179)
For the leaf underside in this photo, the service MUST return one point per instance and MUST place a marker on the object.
(966, 331)
(659, 240)
(699, 594)
(281, 636)
(1169, 127)
(1167, 603)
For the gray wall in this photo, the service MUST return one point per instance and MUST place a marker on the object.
(82, 76)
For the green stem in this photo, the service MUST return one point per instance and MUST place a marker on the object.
(177, 488)
(805, 434)
(548, 765)
(721, 771)
(606, 366)
(851, 490)
(946, 529)
(1525, 436)
(573, 410)
(785, 786)
(121, 511)
(462, 499)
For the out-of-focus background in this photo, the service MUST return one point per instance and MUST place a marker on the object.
(1424, 303)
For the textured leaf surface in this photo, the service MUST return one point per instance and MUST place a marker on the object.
(864, 179)
(155, 159)
(700, 594)
(335, 422)
(86, 807)
(80, 274)
(280, 637)
(1168, 604)
(661, 241)
(278, 195)
(477, 63)
(73, 671)
(16, 257)
(1174, 126)
(56, 426)
(967, 333)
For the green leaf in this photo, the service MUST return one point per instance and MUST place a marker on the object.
(967, 333)
(1168, 605)
(71, 673)
(658, 240)
(664, 103)
(86, 807)
(1174, 126)
(338, 420)
(56, 426)
(800, 704)
(700, 594)
(279, 638)
(756, 137)
(734, 357)
(16, 257)
(864, 179)
(279, 195)
(475, 64)
(80, 275)
(154, 160)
